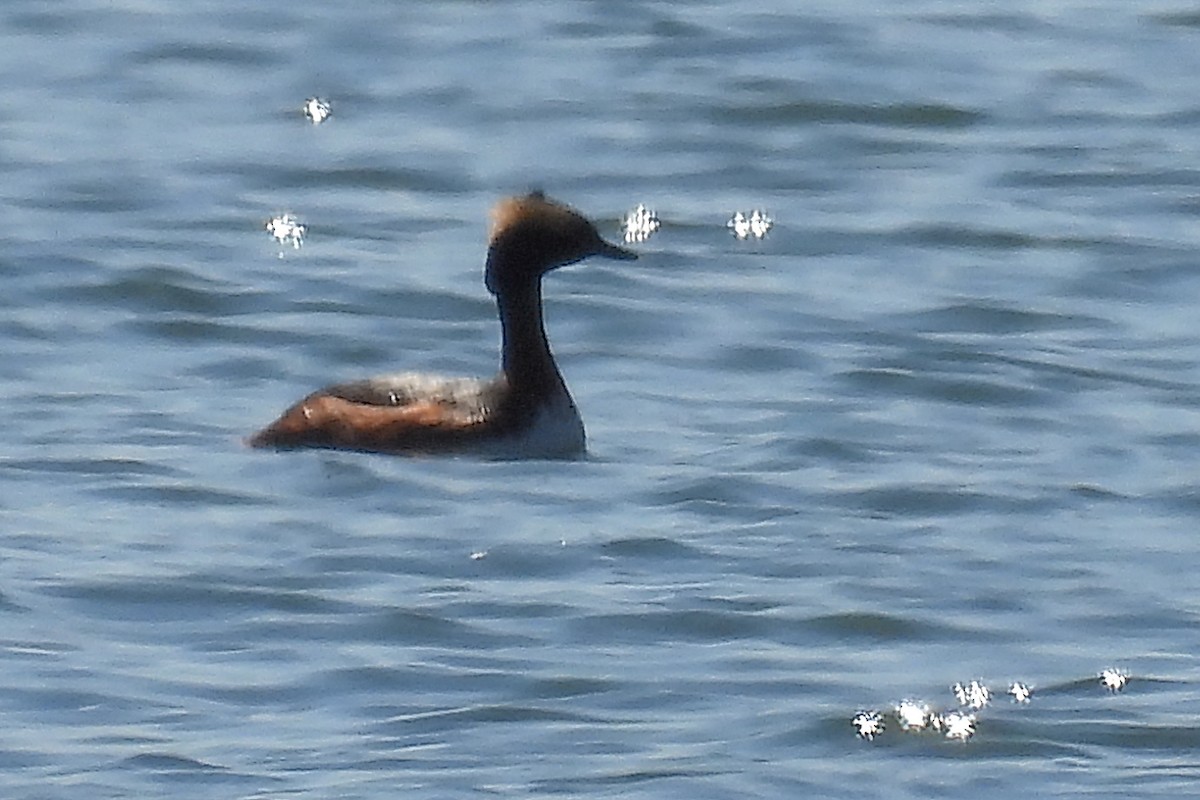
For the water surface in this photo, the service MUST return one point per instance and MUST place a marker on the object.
(939, 425)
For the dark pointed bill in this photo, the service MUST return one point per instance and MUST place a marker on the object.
(607, 250)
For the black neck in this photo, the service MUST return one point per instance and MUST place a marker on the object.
(524, 351)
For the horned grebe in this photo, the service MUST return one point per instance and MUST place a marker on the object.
(525, 410)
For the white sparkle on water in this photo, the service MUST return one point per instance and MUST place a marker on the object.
(640, 224)
(958, 725)
(287, 229)
(317, 110)
(755, 224)
(973, 695)
(1114, 679)
(912, 716)
(868, 723)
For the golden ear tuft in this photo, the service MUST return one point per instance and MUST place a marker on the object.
(505, 214)
(534, 206)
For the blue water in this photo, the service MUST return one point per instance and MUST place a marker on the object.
(941, 424)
